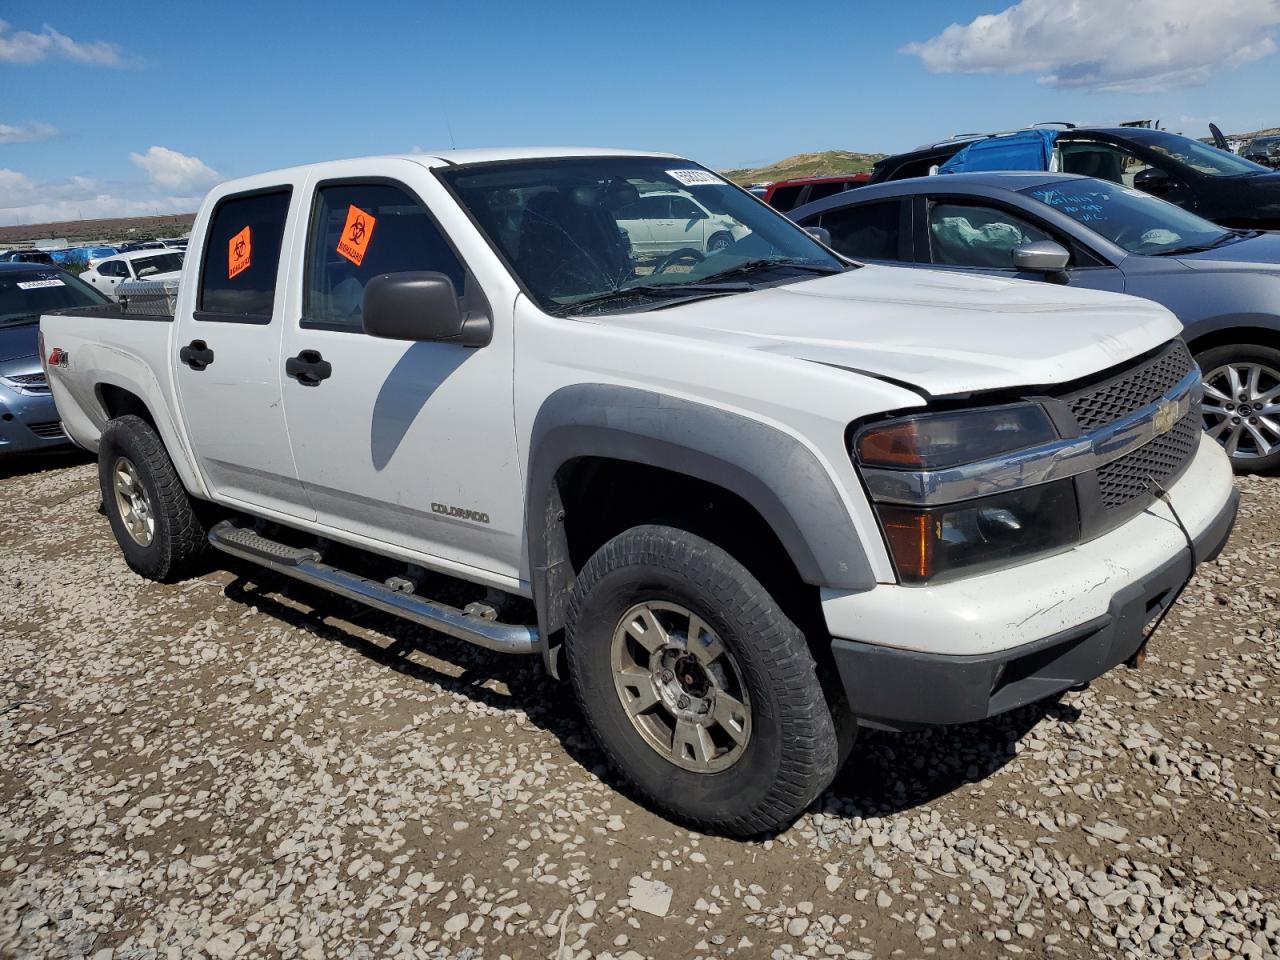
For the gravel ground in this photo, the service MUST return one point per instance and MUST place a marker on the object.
(239, 766)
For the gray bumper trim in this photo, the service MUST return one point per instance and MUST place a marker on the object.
(895, 689)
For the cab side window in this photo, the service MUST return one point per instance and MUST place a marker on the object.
(362, 230)
(242, 257)
(971, 235)
(113, 268)
(868, 231)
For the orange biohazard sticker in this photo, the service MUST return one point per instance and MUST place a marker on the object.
(356, 234)
(238, 250)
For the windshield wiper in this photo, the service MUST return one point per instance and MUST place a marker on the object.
(19, 318)
(686, 291)
(753, 267)
(1228, 237)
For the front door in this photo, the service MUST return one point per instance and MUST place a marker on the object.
(976, 237)
(408, 444)
(228, 355)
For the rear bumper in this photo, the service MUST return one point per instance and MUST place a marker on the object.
(899, 687)
(28, 423)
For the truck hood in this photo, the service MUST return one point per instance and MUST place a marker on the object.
(941, 333)
(18, 341)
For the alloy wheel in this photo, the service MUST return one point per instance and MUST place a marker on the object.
(681, 687)
(132, 502)
(1242, 409)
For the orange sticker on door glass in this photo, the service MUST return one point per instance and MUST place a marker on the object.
(238, 250)
(356, 233)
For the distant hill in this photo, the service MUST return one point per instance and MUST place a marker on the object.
(821, 164)
(87, 231)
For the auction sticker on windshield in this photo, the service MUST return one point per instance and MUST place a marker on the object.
(694, 178)
(38, 284)
(356, 234)
(239, 249)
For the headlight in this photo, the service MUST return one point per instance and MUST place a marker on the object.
(906, 462)
(931, 440)
(931, 543)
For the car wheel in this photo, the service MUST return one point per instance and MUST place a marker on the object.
(719, 241)
(699, 689)
(1242, 404)
(150, 512)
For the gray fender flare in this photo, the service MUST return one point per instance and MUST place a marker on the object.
(772, 471)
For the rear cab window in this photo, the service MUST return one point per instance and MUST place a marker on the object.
(241, 257)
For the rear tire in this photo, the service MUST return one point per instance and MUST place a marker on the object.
(718, 717)
(1231, 416)
(151, 515)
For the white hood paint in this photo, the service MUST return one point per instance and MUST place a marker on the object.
(942, 332)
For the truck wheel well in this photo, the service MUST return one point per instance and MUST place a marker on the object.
(1256, 335)
(118, 402)
(601, 497)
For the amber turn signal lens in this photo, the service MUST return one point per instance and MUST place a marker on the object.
(893, 445)
(911, 536)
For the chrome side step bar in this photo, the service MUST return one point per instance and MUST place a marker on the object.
(305, 565)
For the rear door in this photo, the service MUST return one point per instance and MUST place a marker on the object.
(228, 366)
(409, 444)
(870, 232)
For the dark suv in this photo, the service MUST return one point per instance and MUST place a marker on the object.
(1219, 186)
(1263, 150)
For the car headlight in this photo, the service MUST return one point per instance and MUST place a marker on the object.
(907, 463)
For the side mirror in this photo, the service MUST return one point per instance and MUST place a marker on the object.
(821, 234)
(1042, 256)
(1153, 180)
(421, 305)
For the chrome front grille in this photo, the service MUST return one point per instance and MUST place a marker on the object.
(1128, 478)
(1101, 403)
(1126, 482)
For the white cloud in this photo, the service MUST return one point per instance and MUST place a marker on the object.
(1136, 46)
(172, 170)
(23, 47)
(27, 132)
(25, 200)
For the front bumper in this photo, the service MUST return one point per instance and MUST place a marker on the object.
(981, 646)
(28, 422)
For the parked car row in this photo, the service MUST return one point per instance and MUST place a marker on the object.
(29, 420)
(1128, 227)
(149, 264)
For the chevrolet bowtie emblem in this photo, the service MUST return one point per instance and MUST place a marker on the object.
(1166, 416)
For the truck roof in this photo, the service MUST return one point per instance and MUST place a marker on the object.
(436, 158)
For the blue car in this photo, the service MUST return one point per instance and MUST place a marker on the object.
(28, 418)
(1222, 283)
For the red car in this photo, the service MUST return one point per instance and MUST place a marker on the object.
(786, 194)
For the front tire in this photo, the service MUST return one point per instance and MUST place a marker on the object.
(150, 512)
(699, 689)
(1242, 404)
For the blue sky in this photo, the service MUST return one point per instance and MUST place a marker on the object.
(111, 108)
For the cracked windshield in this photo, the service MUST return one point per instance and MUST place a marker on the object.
(602, 235)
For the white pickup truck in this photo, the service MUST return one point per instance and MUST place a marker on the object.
(744, 499)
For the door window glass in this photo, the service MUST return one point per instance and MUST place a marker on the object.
(682, 208)
(241, 258)
(362, 230)
(969, 235)
(865, 232)
(113, 268)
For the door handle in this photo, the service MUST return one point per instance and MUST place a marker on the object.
(308, 368)
(196, 355)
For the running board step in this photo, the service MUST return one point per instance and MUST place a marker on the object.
(305, 565)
